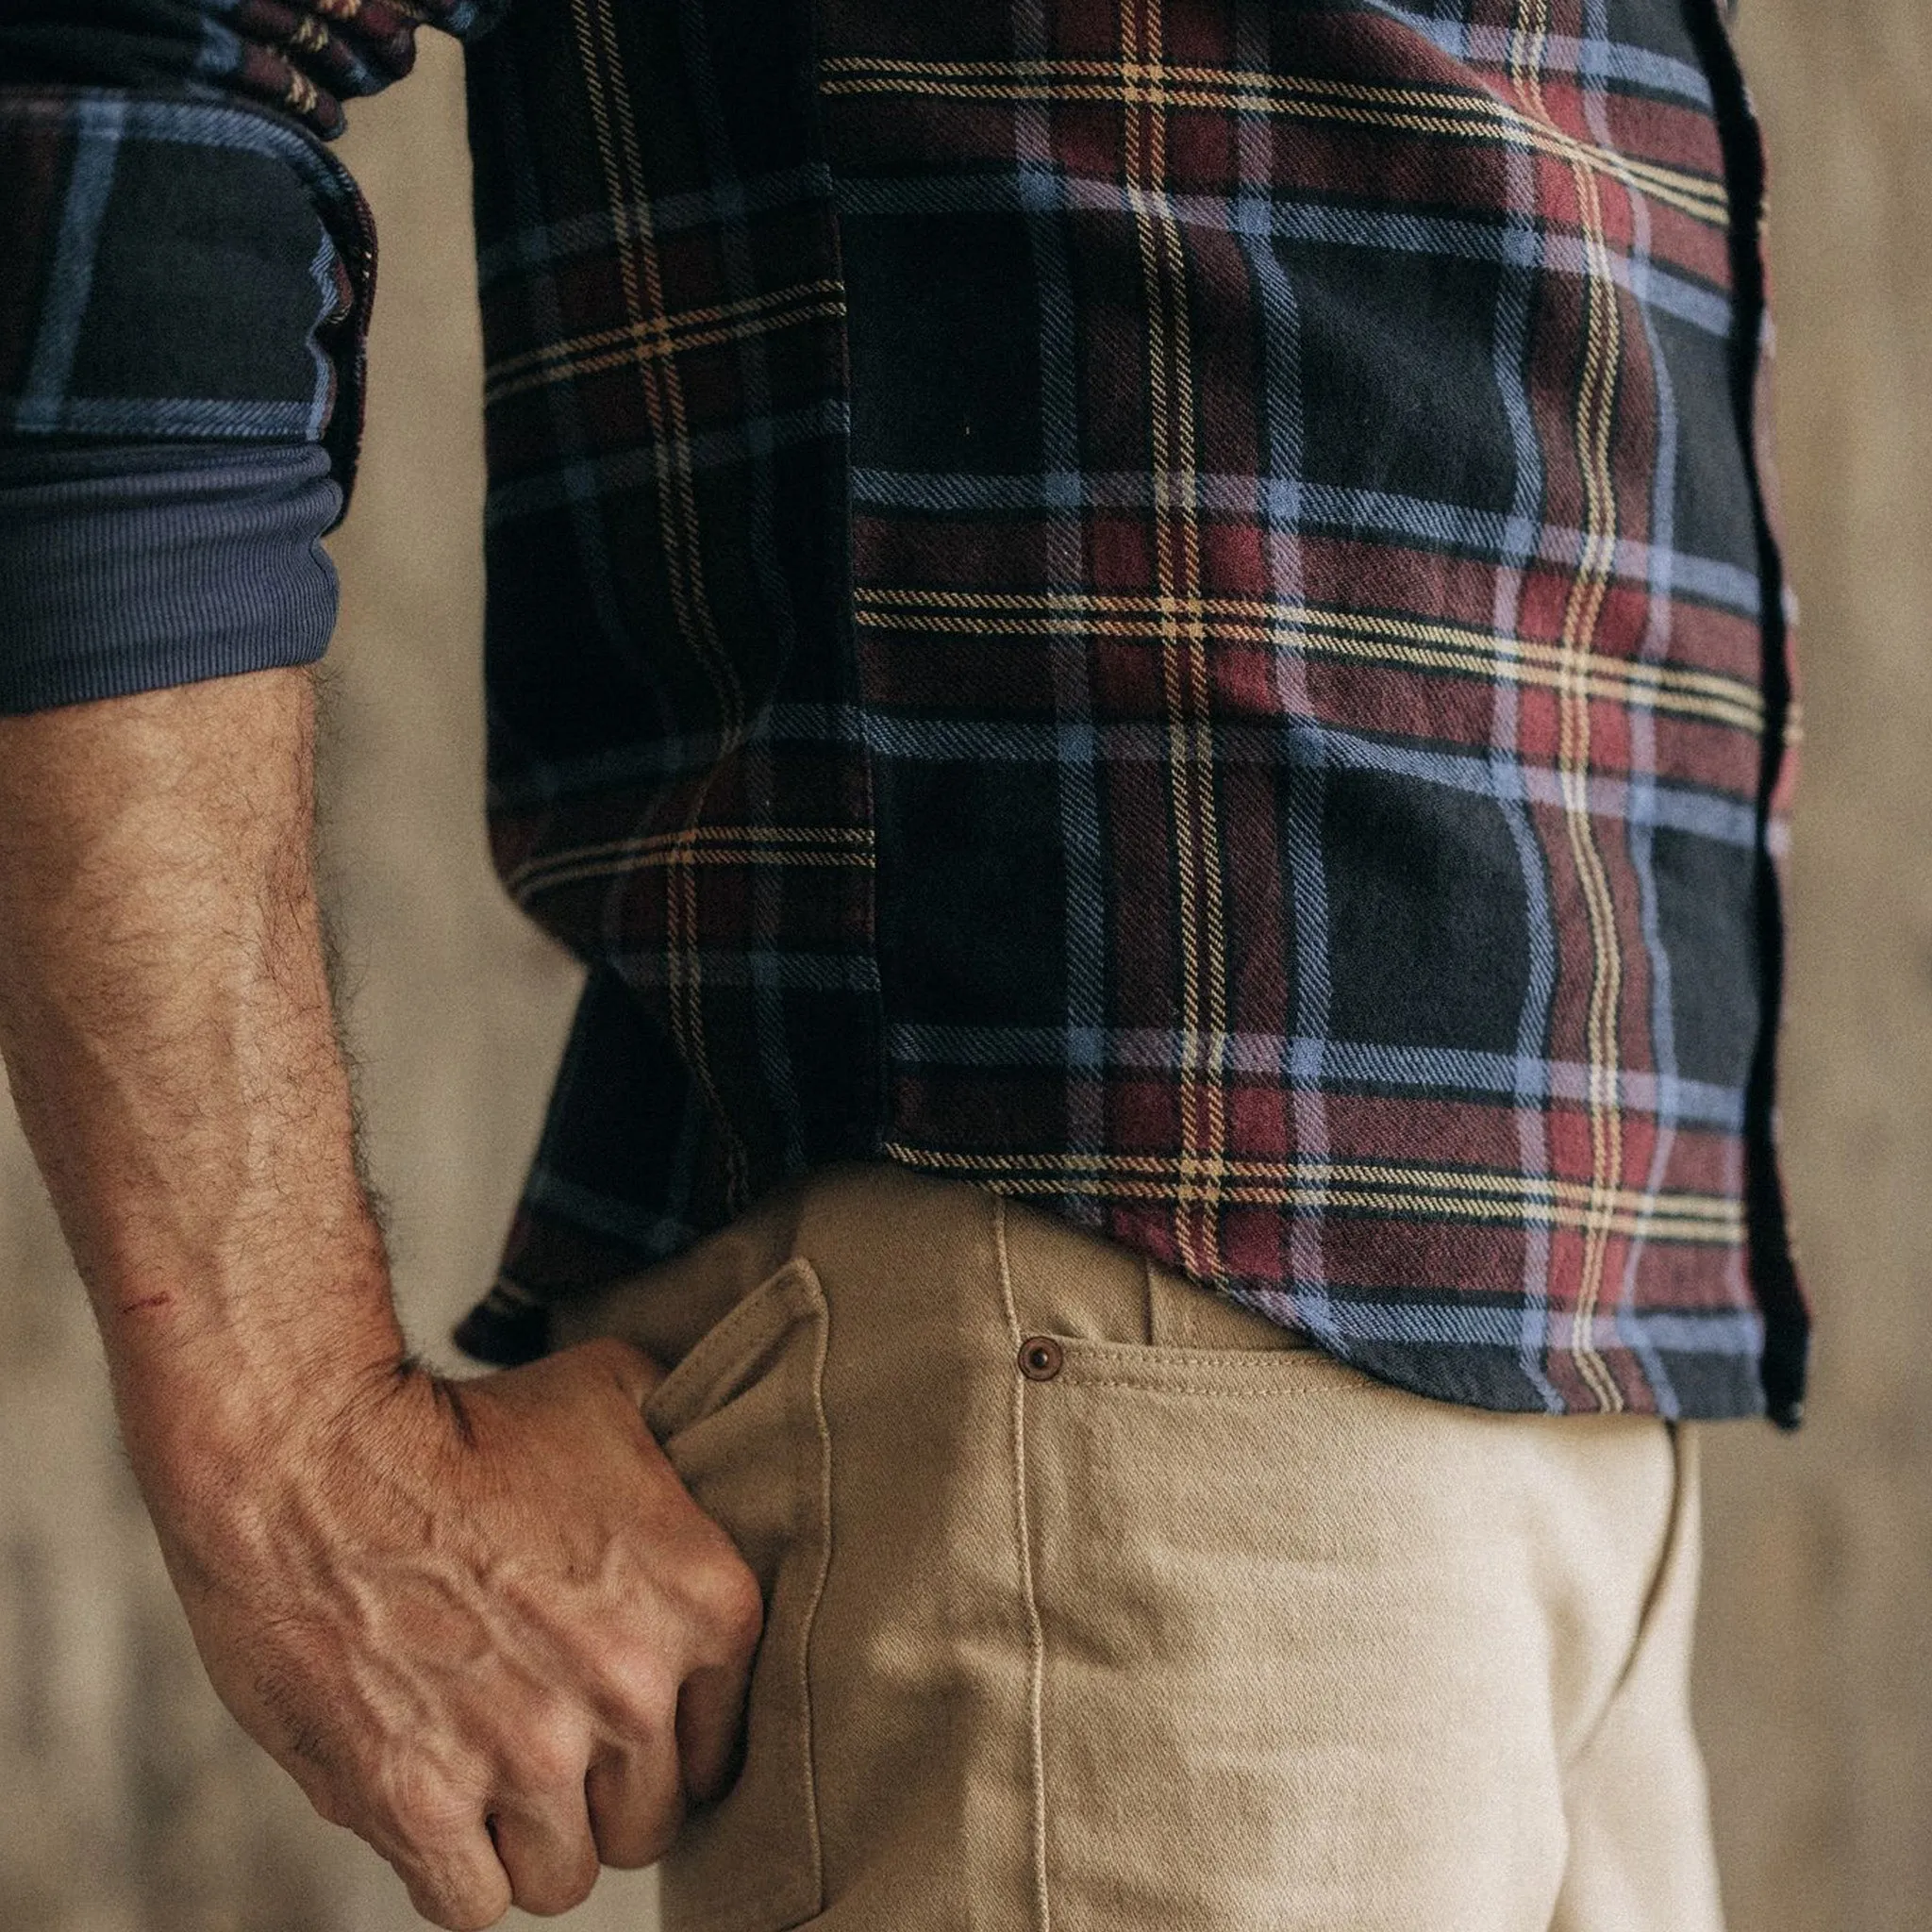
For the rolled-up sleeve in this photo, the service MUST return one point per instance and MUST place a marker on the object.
(188, 274)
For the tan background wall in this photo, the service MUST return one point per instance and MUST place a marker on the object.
(127, 1801)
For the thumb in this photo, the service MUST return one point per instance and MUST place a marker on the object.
(633, 1370)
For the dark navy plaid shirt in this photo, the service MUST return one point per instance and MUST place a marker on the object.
(1164, 605)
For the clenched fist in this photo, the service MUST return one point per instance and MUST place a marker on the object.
(481, 1623)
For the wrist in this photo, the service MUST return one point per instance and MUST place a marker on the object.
(202, 1390)
(260, 1492)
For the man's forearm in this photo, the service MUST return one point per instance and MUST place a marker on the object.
(165, 1019)
(487, 1629)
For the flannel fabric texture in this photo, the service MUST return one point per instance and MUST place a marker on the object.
(1165, 606)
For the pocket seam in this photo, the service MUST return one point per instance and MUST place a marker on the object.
(1205, 1372)
(808, 1619)
(774, 1304)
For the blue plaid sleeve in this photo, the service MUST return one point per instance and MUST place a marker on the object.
(189, 269)
(181, 268)
(185, 257)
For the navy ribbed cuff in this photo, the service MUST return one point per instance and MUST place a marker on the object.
(133, 568)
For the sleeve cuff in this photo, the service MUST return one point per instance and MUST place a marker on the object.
(125, 570)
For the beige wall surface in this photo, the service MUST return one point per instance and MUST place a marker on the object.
(127, 1801)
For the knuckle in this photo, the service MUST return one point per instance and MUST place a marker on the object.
(642, 1696)
(638, 1852)
(730, 1605)
(551, 1753)
(422, 1811)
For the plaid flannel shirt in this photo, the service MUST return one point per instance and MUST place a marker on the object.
(1164, 605)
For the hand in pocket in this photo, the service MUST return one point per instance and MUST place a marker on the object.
(483, 1623)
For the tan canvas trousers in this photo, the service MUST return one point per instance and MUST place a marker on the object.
(1097, 1603)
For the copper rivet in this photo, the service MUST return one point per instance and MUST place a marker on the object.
(1040, 1358)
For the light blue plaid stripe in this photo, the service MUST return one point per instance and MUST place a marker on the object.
(1680, 808)
(1591, 57)
(98, 128)
(1469, 1324)
(1268, 211)
(1295, 505)
(541, 244)
(582, 479)
(139, 417)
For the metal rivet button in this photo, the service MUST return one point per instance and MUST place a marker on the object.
(1040, 1358)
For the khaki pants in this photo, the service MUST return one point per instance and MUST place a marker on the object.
(1097, 1603)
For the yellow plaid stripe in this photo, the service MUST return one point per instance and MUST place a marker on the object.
(1173, 419)
(1594, 426)
(1363, 1186)
(766, 846)
(1402, 644)
(660, 336)
(1444, 112)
